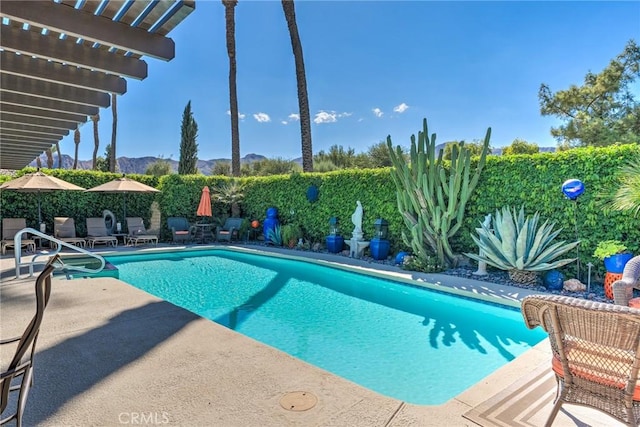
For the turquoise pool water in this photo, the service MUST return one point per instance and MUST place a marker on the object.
(405, 342)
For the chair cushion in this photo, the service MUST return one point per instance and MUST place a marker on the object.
(600, 357)
(182, 233)
(64, 233)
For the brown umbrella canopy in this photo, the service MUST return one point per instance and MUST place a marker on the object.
(38, 182)
(123, 185)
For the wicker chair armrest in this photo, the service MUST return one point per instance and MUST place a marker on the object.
(533, 307)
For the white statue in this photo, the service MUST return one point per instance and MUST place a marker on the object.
(356, 218)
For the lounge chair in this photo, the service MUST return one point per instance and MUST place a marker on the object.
(18, 377)
(64, 229)
(181, 231)
(596, 353)
(623, 288)
(97, 233)
(230, 229)
(138, 233)
(10, 227)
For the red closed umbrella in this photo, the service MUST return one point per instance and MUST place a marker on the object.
(204, 208)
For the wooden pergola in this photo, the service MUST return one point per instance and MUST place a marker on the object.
(61, 60)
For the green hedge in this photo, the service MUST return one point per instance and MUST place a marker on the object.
(534, 181)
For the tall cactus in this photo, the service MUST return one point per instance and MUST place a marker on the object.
(431, 197)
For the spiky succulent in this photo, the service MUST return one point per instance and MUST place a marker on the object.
(517, 243)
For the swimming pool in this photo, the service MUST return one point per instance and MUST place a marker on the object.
(413, 344)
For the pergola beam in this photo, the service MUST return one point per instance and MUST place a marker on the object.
(34, 129)
(70, 52)
(47, 104)
(37, 121)
(38, 112)
(41, 69)
(78, 23)
(24, 85)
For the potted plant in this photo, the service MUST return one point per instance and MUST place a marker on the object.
(614, 254)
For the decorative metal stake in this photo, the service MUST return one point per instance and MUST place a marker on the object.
(589, 278)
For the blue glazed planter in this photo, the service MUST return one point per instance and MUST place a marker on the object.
(379, 248)
(334, 244)
(615, 263)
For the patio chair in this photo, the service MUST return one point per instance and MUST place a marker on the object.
(623, 288)
(97, 233)
(181, 231)
(18, 376)
(596, 353)
(230, 229)
(138, 233)
(64, 229)
(10, 227)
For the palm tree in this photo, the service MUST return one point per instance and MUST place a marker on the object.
(303, 98)
(627, 195)
(114, 128)
(76, 140)
(96, 142)
(49, 154)
(59, 155)
(229, 14)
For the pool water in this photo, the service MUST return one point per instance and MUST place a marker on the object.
(409, 343)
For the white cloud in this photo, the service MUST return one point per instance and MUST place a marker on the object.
(400, 108)
(262, 117)
(240, 115)
(329, 116)
(294, 117)
(284, 122)
(378, 112)
(325, 117)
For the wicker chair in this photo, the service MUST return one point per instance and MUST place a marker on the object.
(596, 353)
(623, 288)
(19, 374)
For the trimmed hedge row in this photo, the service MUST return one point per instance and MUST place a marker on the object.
(531, 180)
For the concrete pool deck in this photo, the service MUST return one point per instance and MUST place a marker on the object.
(110, 354)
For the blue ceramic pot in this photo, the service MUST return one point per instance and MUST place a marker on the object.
(615, 263)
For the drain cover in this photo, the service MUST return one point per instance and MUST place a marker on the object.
(298, 401)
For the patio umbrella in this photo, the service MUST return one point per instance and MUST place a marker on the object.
(123, 185)
(204, 208)
(38, 182)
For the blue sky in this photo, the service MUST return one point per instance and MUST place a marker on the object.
(373, 69)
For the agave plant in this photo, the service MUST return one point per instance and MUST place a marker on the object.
(516, 244)
(274, 236)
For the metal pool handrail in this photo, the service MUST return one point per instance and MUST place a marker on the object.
(60, 244)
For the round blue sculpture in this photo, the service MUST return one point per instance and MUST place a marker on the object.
(400, 257)
(553, 280)
(312, 193)
(573, 188)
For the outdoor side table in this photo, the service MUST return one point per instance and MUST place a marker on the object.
(203, 231)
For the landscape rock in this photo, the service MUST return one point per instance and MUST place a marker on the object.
(574, 285)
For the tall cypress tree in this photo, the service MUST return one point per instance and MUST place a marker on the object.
(188, 147)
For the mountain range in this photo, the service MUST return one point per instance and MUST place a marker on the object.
(140, 164)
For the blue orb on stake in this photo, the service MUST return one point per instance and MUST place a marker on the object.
(553, 280)
(400, 257)
(573, 188)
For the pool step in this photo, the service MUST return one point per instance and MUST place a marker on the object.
(109, 269)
